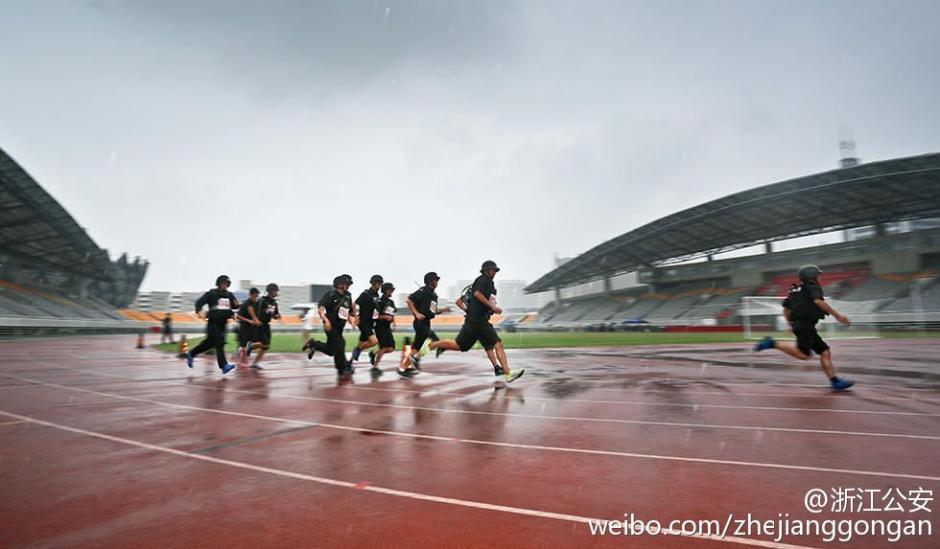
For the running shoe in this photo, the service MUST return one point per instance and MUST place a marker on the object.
(514, 375)
(372, 358)
(355, 354)
(415, 361)
(228, 368)
(310, 348)
(307, 345)
(764, 344)
(375, 372)
(407, 372)
(498, 371)
(438, 352)
(256, 367)
(347, 372)
(839, 384)
(189, 359)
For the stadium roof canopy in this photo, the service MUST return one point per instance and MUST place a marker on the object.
(36, 229)
(867, 194)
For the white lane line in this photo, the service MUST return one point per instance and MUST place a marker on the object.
(198, 385)
(12, 422)
(377, 489)
(485, 442)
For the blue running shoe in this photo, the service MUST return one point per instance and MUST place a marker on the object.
(355, 354)
(227, 368)
(189, 360)
(248, 348)
(764, 344)
(841, 384)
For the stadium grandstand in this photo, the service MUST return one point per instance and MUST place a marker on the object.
(696, 267)
(53, 276)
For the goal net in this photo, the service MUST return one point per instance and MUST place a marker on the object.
(763, 316)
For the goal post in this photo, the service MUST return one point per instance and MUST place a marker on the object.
(762, 316)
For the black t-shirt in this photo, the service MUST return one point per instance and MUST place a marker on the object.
(367, 303)
(267, 310)
(220, 302)
(243, 311)
(475, 309)
(425, 301)
(386, 307)
(337, 307)
(801, 301)
(166, 322)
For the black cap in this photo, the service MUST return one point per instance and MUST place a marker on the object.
(431, 276)
(341, 279)
(376, 278)
(387, 287)
(222, 278)
(808, 272)
(348, 279)
(272, 287)
(489, 264)
(254, 291)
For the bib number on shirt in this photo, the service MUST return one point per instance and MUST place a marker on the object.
(343, 313)
(390, 310)
(375, 314)
(223, 304)
(433, 307)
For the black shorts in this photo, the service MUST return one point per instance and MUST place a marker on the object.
(477, 330)
(246, 334)
(384, 333)
(807, 338)
(366, 329)
(423, 331)
(263, 334)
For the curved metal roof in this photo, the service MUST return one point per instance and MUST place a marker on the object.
(877, 192)
(35, 228)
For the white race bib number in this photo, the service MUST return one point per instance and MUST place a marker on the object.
(223, 304)
(434, 307)
(375, 314)
(390, 310)
(270, 309)
(343, 313)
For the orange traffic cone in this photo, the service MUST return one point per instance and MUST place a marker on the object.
(184, 346)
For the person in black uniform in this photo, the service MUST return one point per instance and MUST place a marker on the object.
(335, 308)
(267, 311)
(167, 334)
(221, 302)
(423, 305)
(383, 327)
(477, 326)
(803, 307)
(247, 317)
(368, 313)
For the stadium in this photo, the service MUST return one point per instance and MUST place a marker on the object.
(671, 390)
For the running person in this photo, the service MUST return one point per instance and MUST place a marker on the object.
(803, 307)
(366, 308)
(477, 326)
(248, 323)
(334, 308)
(267, 311)
(220, 302)
(383, 328)
(423, 305)
(167, 329)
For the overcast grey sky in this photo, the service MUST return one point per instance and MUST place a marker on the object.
(291, 141)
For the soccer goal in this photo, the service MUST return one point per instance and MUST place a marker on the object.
(763, 316)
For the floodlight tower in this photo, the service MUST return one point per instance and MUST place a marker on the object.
(848, 157)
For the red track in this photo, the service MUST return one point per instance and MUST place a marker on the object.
(105, 445)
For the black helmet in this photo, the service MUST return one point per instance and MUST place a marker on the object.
(489, 264)
(272, 287)
(387, 287)
(222, 279)
(348, 279)
(253, 291)
(808, 272)
(376, 278)
(431, 276)
(341, 279)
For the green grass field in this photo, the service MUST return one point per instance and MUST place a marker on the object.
(291, 342)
